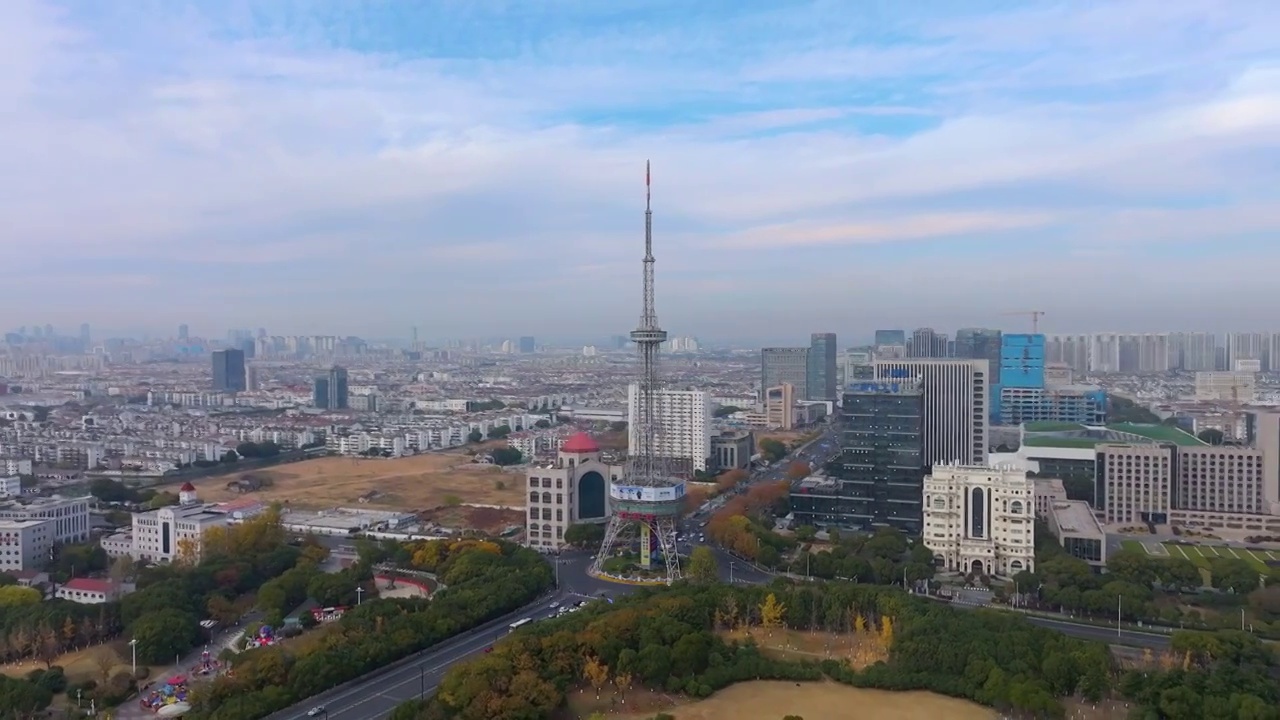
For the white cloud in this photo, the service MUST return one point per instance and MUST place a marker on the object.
(151, 138)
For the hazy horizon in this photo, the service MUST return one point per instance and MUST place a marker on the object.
(477, 169)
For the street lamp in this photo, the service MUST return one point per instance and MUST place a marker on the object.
(422, 682)
(1119, 604)
(359, 594)
(133, 647)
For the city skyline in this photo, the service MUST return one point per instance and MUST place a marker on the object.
(297, 165)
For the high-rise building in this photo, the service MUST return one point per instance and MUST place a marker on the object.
(780, 406)
(820, 377)
(249, 347)
(980, 520)
(337, 389)
(1247, 346)
(1262, 428)
(526, 344)
(228, 371)
(891, 337)
(84, 335)
(926, 343)
(790, 365)
(980, 344)
(320, 392)
(1022, 361)
(1071, 350)
(183, 332)
(1135, 482)
(1193, 352)
(876, 479)
(684, 425)
(956, 406)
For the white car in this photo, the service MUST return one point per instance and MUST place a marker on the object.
(317, 711)
(555, 605)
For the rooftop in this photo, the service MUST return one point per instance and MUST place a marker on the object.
(580, 443)
(1071, 435)
(1075, 517)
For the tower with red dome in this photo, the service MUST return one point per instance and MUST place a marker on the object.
(187, 495)
(572, 489)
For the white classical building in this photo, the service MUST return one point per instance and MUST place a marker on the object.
(573, 489)
(162, 536)
(980, 519)
(684, 424)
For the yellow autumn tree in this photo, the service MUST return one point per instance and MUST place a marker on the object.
(622, 681)
(596, 673)
(886, 632)
(859, 623)
(771, 612)
(188, 551)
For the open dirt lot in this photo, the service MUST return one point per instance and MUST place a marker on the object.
(412, 483)
(771, 699)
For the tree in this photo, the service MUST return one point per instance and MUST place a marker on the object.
(475, 436)
(596, 673)
(772, 450)
(248, 450)
(507, 456)
(188, 551)
(104, 661)
(584, 535)
(622, 681)
(164, 634)
(806, 533)
(771, 612)
(799, 470)
(230, 457)
(47, 646)
(499, 432)
(886, 631)
(730, 479)
(703, 567)
(16, 596)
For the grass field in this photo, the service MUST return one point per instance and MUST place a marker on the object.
(79, 665)
(419, 482)
(1202, 555)
(772, 699)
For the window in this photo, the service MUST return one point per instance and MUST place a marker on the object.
(533, 497)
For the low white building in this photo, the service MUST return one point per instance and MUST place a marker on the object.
(10, 486)
(165, 535)
(980, 520)
(70, 516)
(25, 544)
(88, 591)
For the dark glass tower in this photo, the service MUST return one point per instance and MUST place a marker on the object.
(228, 371)
(820, 375)
(878, 479)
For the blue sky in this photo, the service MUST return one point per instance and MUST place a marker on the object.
(475, 167)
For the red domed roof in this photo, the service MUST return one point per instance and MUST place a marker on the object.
(580, 443)
(187, 487)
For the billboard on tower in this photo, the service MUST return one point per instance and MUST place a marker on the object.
(636, 493)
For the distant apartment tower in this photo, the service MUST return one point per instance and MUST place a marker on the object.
(526, 344)
(980, 344)
(183, 332)
(820, 377)
(1248, 346)
(1070, 350)
(788, 365)
(956, 406)
(1239, 387)
(330, 390)
(891, 337)
(980, 520)
(229, 371)
(1193, 352)
(684, 424)
(876, 479)
(926, 343)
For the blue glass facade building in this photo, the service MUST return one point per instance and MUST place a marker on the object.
(1022, 361)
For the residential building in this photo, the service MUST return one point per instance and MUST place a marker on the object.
(1073, 351)
(25, 544)
(956, 406)
(572, 489)
(876, 479)
(1193, 352)
(732, 450)
(820, 377)
(10, 486)
(1248, 346)
(527, 344)
(684, 424)
(1227, 386)
(980, 520)
(229, 371)
(789, 365)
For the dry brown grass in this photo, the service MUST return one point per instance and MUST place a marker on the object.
(419, 482)
(773, 699)
(79, 665)
(860, 650)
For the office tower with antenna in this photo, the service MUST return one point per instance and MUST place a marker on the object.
(646, 507)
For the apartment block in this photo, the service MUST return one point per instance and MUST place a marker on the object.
(1135, 482)
(684, 424)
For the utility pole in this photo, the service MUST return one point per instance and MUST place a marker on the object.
(1119, 604)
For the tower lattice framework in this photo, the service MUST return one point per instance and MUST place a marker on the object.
(646, 510)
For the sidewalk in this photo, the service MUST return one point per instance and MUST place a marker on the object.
(131, 710)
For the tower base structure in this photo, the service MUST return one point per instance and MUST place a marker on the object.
(652, 535)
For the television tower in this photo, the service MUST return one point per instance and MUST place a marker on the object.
(646, 510)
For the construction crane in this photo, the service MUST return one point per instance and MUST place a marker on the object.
(1035, 318)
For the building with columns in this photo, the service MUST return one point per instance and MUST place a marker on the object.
(980, 520)
(574, 488)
